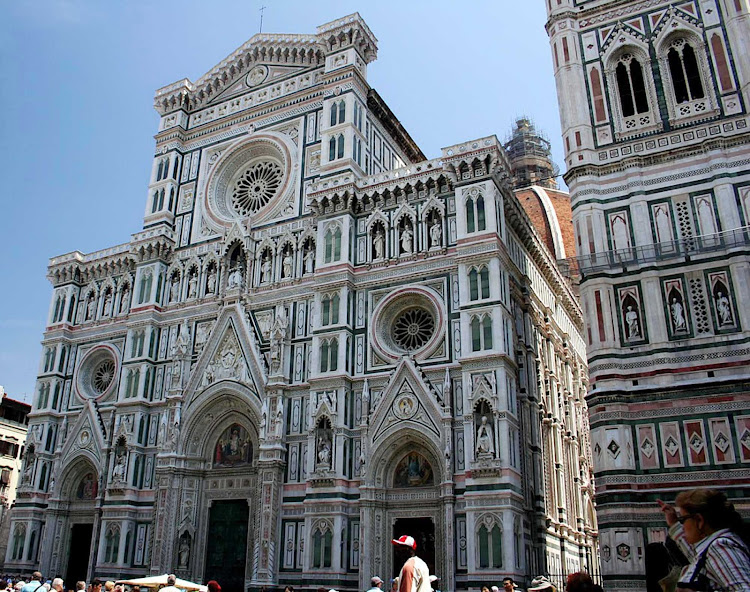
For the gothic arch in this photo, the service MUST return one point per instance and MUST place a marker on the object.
(391, 449)
(74, 471)
(214, 410)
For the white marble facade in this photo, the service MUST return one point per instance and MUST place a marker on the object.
(321, 331)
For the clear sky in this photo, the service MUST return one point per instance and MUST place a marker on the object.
(77, 119)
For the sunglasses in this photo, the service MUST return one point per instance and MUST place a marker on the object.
(682, 519)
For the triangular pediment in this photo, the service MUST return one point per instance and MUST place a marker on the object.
(260, 75)
(230, 354)
(408, 401)
(85, 433)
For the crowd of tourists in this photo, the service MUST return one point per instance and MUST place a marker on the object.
(707, 549)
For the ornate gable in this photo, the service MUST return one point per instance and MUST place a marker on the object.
(408, 401)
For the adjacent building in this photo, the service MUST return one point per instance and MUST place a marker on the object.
(654, 108)
(319, 340)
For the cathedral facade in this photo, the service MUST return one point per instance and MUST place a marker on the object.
(320, 340)
(654, 108)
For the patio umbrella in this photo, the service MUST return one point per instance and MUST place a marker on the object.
(159, 581)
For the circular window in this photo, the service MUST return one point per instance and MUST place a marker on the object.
(97, 373)
(413, 328)
(103, 376)
(408, 321)
(255, 187)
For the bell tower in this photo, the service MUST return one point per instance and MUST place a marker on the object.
(654, 116)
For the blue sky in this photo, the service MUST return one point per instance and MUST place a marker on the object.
(77, 123)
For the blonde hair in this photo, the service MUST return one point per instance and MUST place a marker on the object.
(713, 505)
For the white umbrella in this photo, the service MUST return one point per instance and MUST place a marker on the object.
(159, 581)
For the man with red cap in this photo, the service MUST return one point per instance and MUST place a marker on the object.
(415, 575)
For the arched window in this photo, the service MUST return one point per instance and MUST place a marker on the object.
(490, 546)
(631, 86)
(342, 111)
(160, 170)
(329, 354)
(322, 547)
(56, 396)
(473, 285)
(111, 545)
(72, 308)
(59, 309)
(476, 220)
(333, 244)
(481, 333)
(340, 142)
(145, 292)
(19, 537)
(128, 541)
(136, 466)
(330, 309)
(484, 277)
(176, 165)
(470, 221)
(684, 71)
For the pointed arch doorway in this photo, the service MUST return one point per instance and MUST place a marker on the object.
(423, 531)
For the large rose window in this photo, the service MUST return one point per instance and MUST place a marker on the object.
(413, 328)
(408, 322)
(97, 373)
(255, 187)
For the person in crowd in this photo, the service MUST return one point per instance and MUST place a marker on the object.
(485, 589)
(711, 534)
(509, 585)
(541, 583)
(435, 583)
(80, 586)
(109, 586)
(579, 582)
(376, 584)
(96, 585)
(170, 587)
(35, 584)
(494, 589)
(394, 584)
(213, 586)
(57, 585)
(414, 575)
(289, 589)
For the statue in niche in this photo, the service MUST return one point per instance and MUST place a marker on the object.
(631, 318)
(193, 285)
(211, 281)
(265, 271)
(183, 553)
(91, 308)
(279, 417)
(124, 298)
(208, 375)
(287, 265)
(201, 336)
(309, 260)
(107, 303)
(235, 278)
(406, 240)
(174, 290)
(28, 470)
(485, 442)
(724, 309)
(678, 316)
(264, 418)
(118, 472)
(436, 234)
(324, 449)
(378, 243)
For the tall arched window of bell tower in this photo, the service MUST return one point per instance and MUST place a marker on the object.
(684, 72)
(631, 87)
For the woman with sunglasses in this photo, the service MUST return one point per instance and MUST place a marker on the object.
(710, 533)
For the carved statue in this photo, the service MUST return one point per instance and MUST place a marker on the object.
(265, 272)
(264, 418)
(211, 281)
(678, 317)
(324, 450)
(309, 261)
(436, 234)
(174, 290)
(366, 400)
(235, 278)
(118, 472)
(378, 243)
(193, 285)
(406, 240)
(176, 375)
(485, 444)
(183, 554)
(287, 264)
(724, 309)
(107, 303)
(91, 308)
(182, 345)
(631, 318)
(29, 470)
(125, 298)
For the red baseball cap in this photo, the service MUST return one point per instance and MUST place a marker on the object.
(406, 541)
